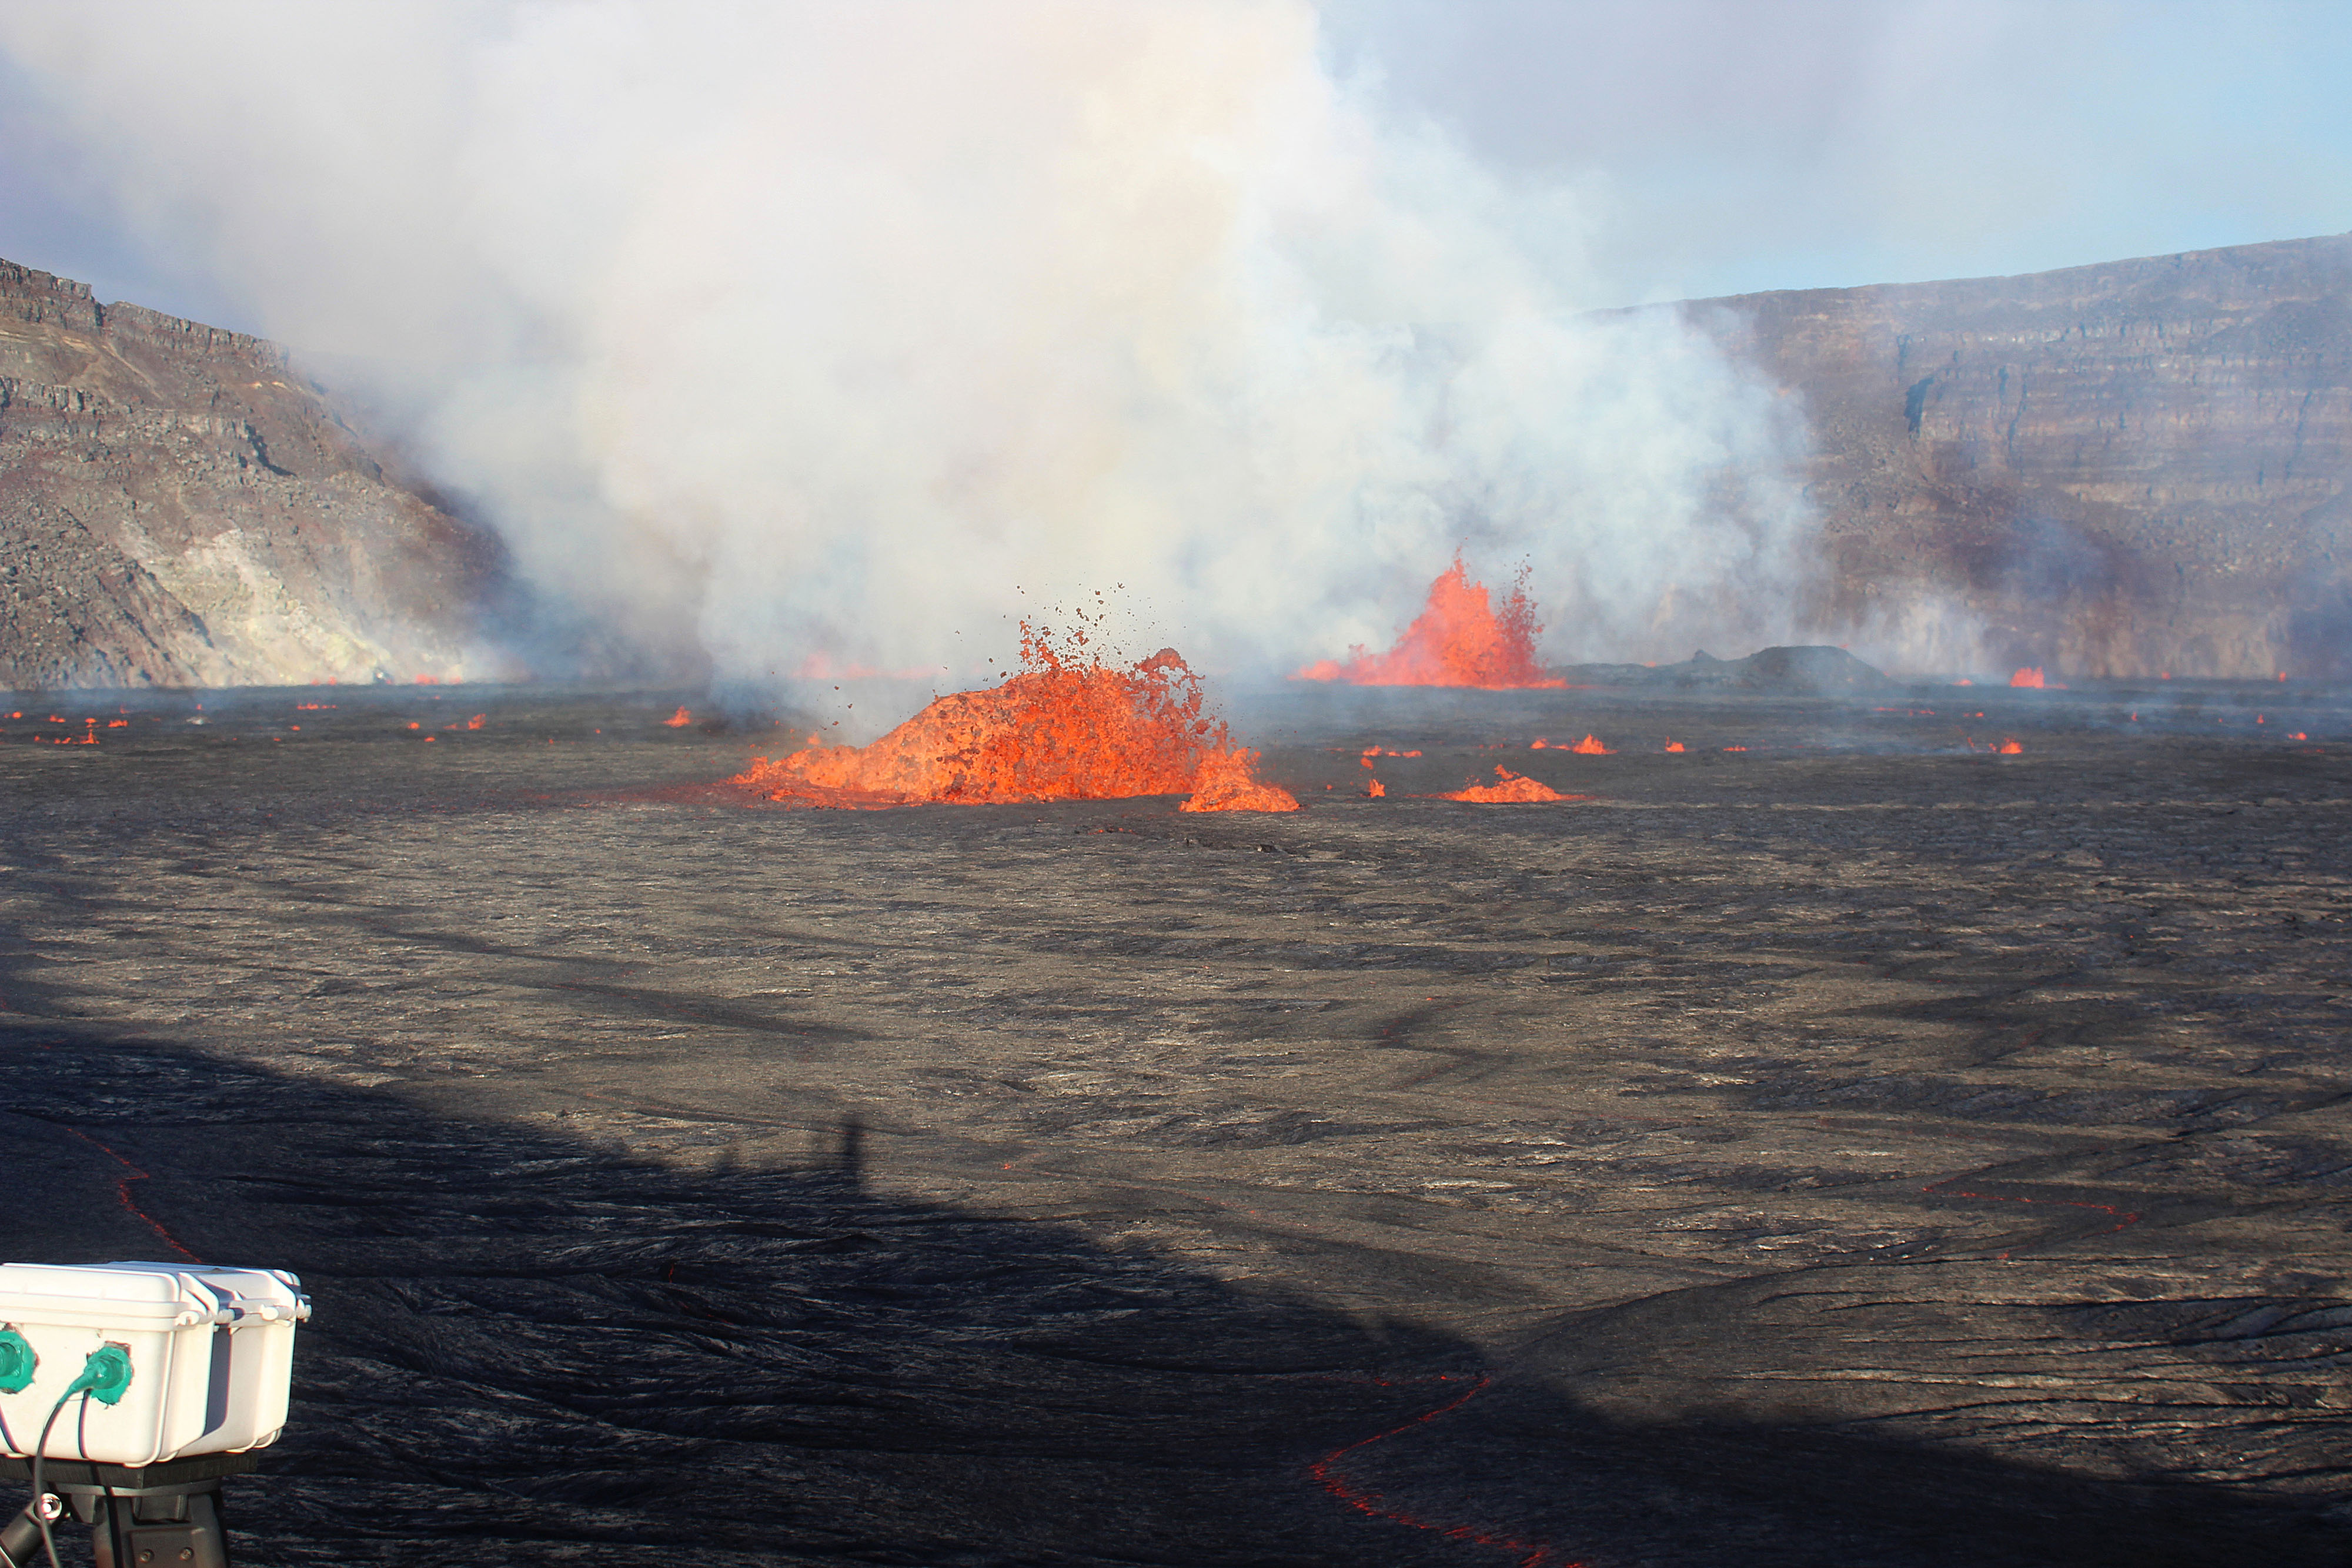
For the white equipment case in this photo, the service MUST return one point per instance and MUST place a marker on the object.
(211, 1350)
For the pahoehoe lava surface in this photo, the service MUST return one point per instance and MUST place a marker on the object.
(1854, 1149)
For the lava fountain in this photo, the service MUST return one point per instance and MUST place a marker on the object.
(1460, 639)
(1066, 727)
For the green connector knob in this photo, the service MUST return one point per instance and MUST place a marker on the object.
(106, 1374)
(16, 1362)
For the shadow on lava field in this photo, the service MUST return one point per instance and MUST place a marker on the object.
(530, 1348)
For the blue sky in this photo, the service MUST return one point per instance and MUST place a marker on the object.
(1804, 143)
(1717, 147)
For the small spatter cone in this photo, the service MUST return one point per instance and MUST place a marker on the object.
(1228, 781)
(1065, 728)
(1509, 790)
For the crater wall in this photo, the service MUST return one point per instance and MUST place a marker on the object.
(2126, 469)
(179, 507)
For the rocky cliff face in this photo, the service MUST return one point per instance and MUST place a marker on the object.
(178, 506)
(2126, 469)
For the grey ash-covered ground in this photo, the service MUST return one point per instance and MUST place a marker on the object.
(1853, 1150)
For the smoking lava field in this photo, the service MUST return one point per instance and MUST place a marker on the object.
(1835, 1141)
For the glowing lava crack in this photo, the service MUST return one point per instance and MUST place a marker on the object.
(1363, 1499)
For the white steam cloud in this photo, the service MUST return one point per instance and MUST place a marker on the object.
(831, 330)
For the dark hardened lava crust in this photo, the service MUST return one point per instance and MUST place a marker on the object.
(1854, 1150)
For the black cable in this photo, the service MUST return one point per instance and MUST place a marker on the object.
(40, 1453)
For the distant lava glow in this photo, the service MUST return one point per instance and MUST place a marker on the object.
(1460, 639)
(1509, 788)
(2030, 676)
(1066, 728)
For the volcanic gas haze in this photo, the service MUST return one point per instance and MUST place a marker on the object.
(823, 343)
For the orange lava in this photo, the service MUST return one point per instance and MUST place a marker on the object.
(1674, 745)
(1589, 747)
(1225, 782)
(1509, 790)
(2009, 748)
(1459, 640)
(476, 722)
(1065, 728)
(680, 719)
(2298, 735)
(2029, 677)
(1375, 790)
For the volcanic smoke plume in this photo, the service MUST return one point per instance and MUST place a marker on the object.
(1068, 728)
(1460, 639)
(777, 333)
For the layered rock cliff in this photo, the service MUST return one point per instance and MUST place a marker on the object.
(2127, 469)
(179, 507)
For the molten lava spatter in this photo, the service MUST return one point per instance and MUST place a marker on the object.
(1508, 790)
(1066, 728)
(2030, 677)
(1224, 782)
(1459, 640)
